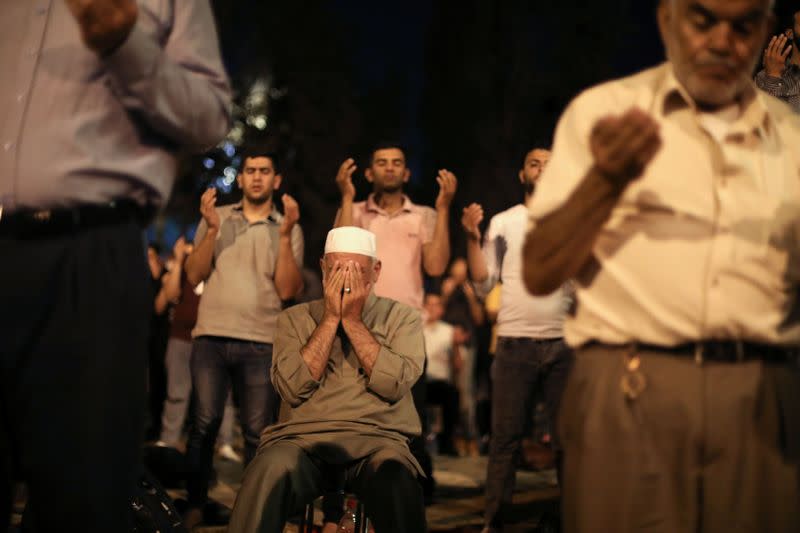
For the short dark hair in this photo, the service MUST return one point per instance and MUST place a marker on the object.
(250, 152)
(386, 145)
(535, 147)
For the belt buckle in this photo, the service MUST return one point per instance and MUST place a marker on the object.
(699, 352)
(42, 215)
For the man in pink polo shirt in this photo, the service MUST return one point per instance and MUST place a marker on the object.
(410, 237)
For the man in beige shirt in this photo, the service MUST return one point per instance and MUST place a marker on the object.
(344, 367)
(673, 200)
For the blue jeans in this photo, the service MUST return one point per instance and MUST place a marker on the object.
(217, 364)
(179, 390)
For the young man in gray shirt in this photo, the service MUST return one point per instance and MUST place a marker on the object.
(250, 257)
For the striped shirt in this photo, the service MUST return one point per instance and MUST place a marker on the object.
(787, 87)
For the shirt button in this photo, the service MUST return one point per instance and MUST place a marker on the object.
(32, 52)
(20, 97)
(41, 10)
(8, 146)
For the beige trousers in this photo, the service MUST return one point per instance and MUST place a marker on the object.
(696, 451)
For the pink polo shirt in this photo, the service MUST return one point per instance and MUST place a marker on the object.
(400, 237)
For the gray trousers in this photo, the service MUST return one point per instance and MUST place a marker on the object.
(179, 391)
(522, 366)
(283, 478)
(696, 451)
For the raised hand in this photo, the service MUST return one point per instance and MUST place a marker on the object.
(104, 24)
(775, 55)
(344, 179)
(447, 288)
(207, 208)
(624, 145)
(447, 188)
(353, 300)
(179, 250)
(291, 214)
(332, 286)
(471, 217)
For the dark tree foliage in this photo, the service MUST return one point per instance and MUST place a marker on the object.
(467, 85)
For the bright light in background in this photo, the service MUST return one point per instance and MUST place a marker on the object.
(222, 184)
(256, 104)
(228, 148)
(230, 175)
(236, 135)
(208, 163)
(259, 121)
(257, 97)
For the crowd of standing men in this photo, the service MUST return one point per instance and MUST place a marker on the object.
(649, 289)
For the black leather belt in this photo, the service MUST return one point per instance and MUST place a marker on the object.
(30, 223)
(726, 351)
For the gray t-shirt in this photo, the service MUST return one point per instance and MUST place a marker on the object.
(240, 300)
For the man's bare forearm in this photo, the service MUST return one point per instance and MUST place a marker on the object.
(172, 283)
(345, 217)
(458, 360)
(170, 291)
(476, 261)
(317, 350)
(475, 308)
(364, 344)
(198, 264)
(161, 302)
(561, 243)
(288, 280)
(436, 253)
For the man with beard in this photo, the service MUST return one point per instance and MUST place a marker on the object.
(531, 355)
(411, 237)
(250, 257)
(672, 200)
(780, 76)
(343, 365)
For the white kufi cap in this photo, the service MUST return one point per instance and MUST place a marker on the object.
(353, 240)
